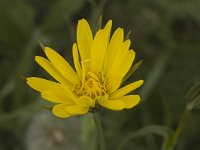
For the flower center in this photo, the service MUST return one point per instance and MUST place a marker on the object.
(93, 85)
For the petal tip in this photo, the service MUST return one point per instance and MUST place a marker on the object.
(82, 21)
(141, 81)
(109, 22)
(38, 58)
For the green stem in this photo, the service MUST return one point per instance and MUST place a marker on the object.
(99, 128)
(182, 123)
(172, 141)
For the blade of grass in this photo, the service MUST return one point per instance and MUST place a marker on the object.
(163, 131)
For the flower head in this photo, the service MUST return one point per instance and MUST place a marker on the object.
(100, 65)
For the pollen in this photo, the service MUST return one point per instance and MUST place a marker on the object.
(93, 85)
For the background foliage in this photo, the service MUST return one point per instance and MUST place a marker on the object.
(165, 34)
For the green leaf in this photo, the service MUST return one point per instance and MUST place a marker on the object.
(163, 131)
(131, 71)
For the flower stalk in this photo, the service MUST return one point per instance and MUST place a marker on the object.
(173, 139)
(193, 95)
(97, 121)
(182, 123)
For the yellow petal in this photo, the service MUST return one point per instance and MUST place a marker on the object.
(113, 104)
(127, 62)
(61, 65)
(40, 84)
(126, 44)
(44, 63)
(117, 53)
(114, 47)
(60, 111)
(76, 60)
(119, 57)
(85, 101)
(130, 100)
(120, 71)
(125, 90)
(77, 110)
(99, 47)
(84, 39)
(59, 95)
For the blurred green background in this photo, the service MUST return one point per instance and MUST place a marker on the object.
(165, 34)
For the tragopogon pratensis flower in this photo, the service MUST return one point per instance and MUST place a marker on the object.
(100, 65)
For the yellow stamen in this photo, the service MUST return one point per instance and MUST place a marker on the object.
(93, 85)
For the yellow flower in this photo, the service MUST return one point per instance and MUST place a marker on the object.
(100, 64)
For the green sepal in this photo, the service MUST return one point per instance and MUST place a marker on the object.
(100, 22)
(131, 71)
(127, 35)
(47, 107)
(41, 45)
